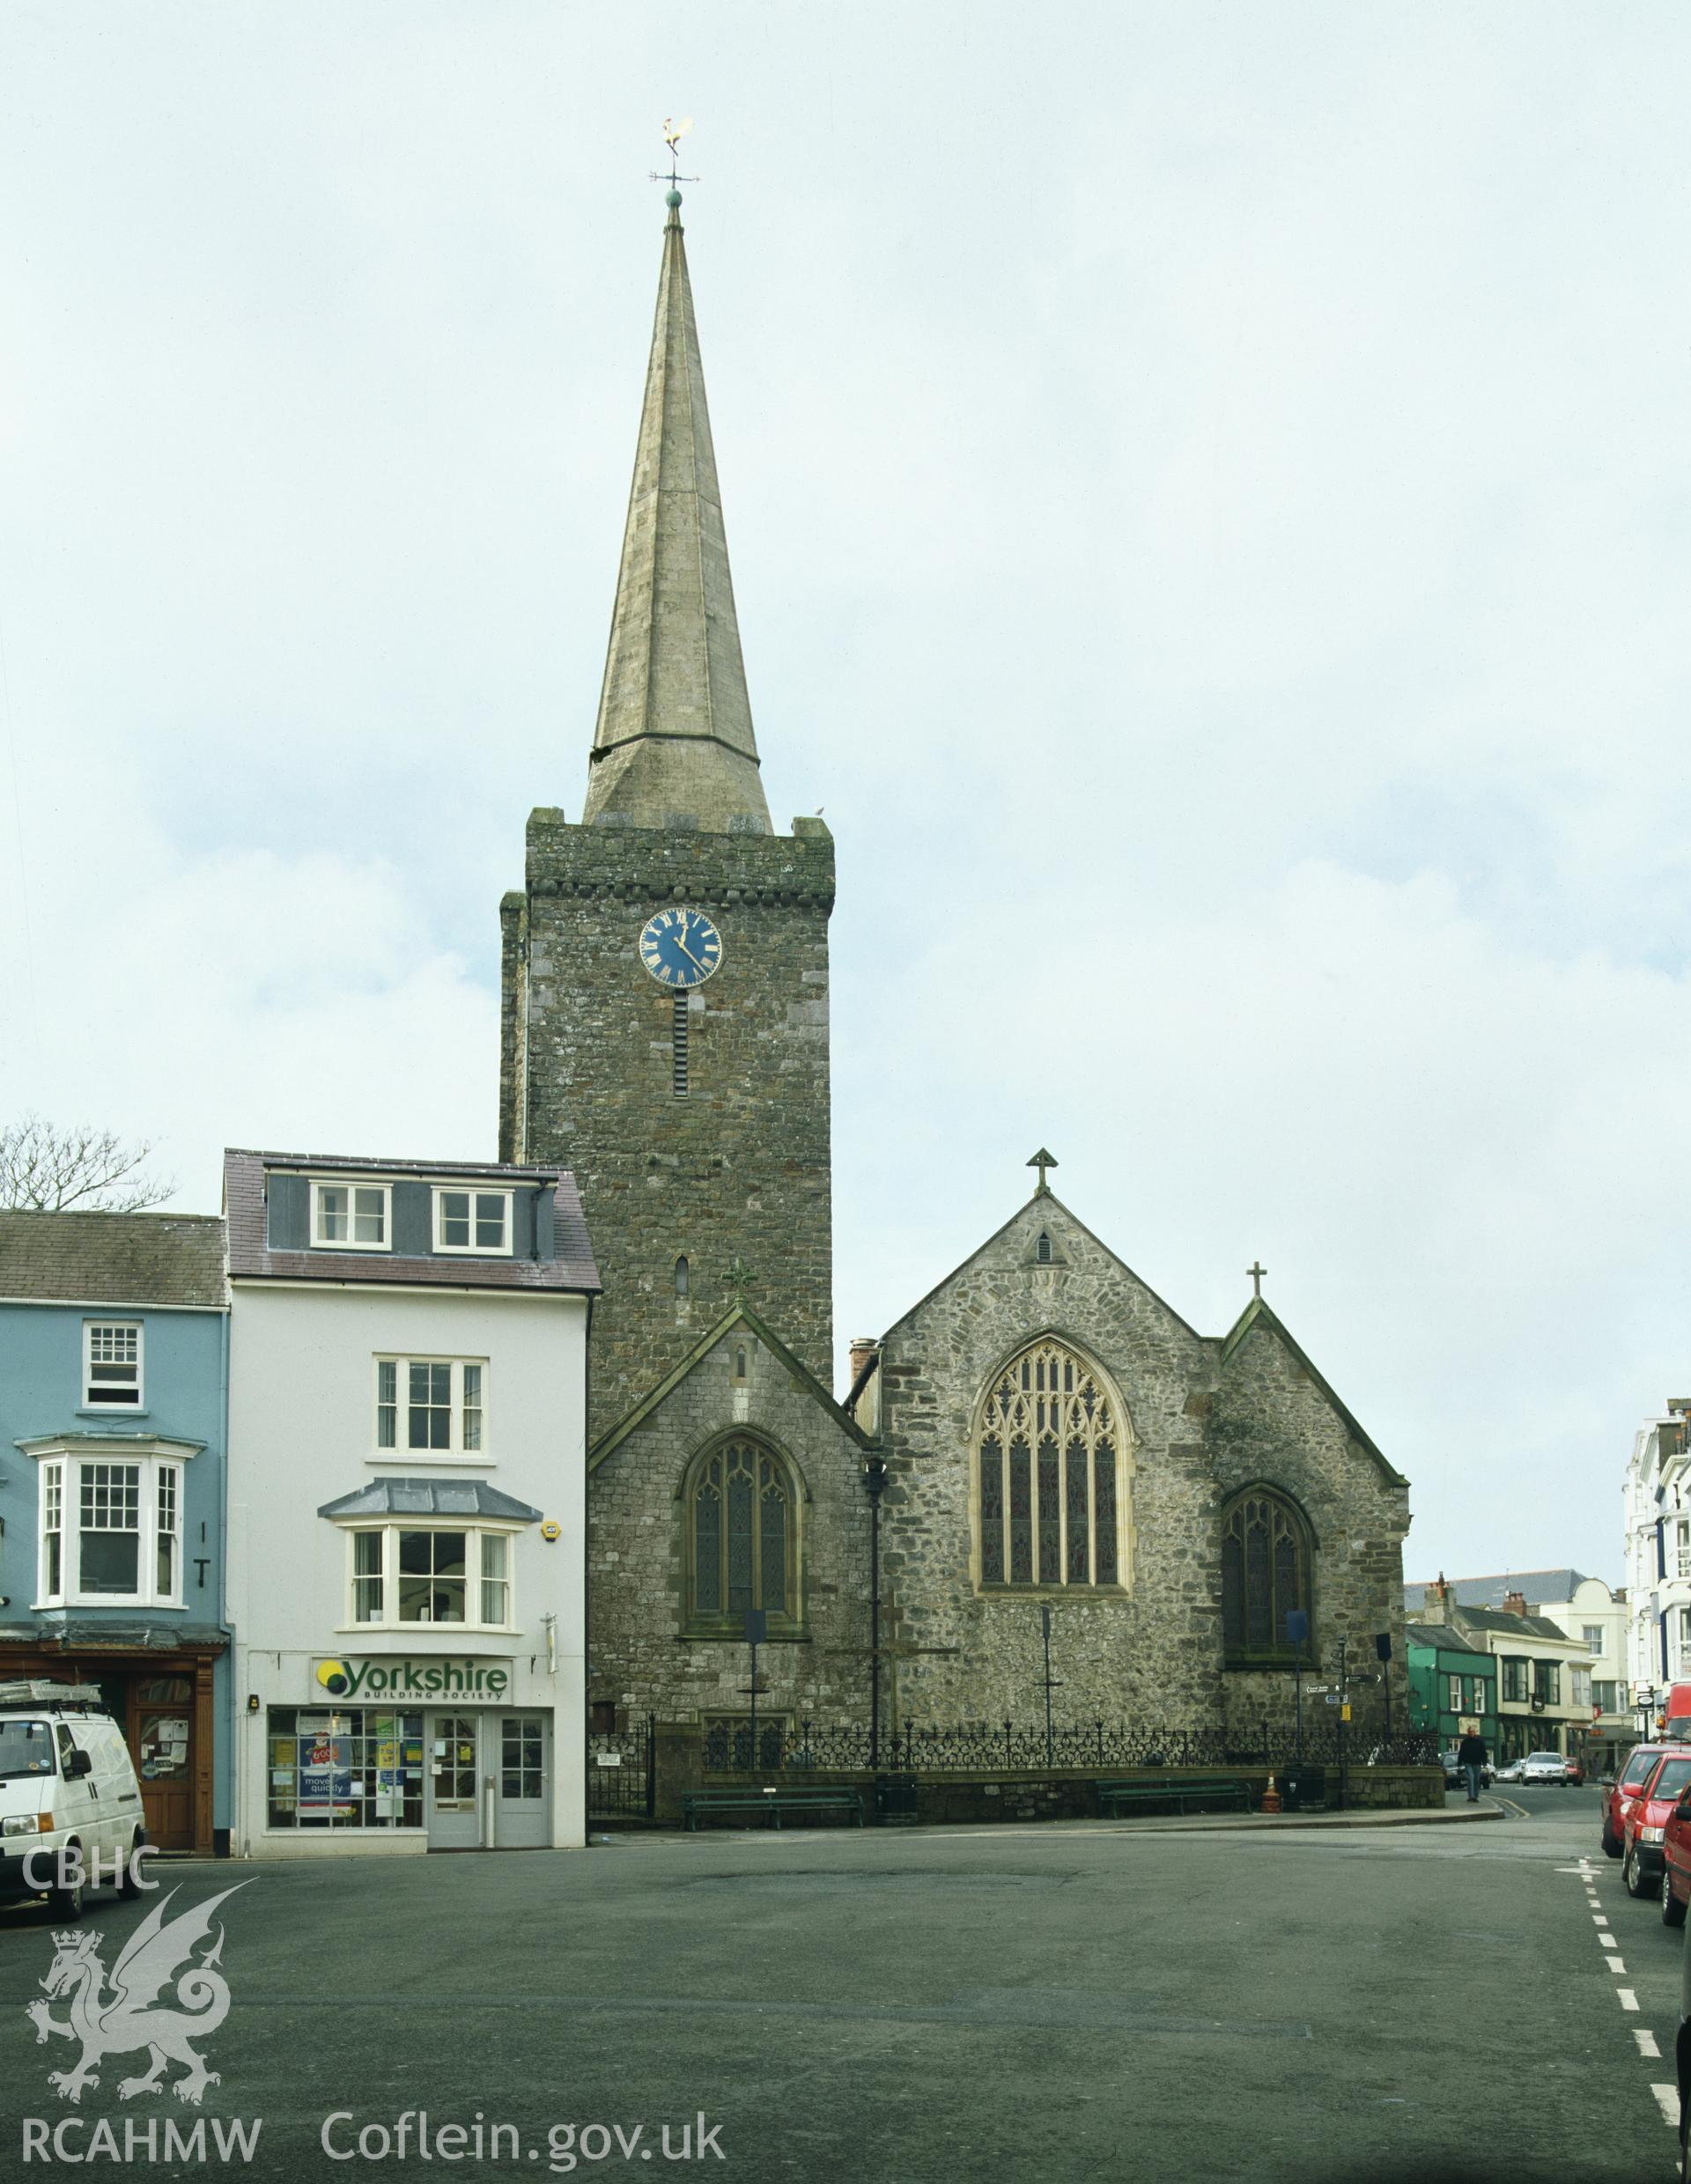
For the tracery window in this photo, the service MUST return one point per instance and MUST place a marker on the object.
(1265, 1575)
(1051, 1494)
(741, 1537)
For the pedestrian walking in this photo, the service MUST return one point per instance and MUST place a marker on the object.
(1471, 1757)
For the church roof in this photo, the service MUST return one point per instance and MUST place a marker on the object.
(1259, 1313)
(674, 744)
(741, 1316)
(1044, 1196)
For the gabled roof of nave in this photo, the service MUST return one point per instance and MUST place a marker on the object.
(1260, 1315)
(739, 1316)
(1256, 1313)
(1048, 1199)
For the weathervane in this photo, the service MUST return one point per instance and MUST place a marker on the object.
(673, 133)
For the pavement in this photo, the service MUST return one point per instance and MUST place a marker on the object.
(1147, 2000)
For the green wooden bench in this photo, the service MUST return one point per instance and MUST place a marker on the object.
(1212, 1791)
(774, 1801)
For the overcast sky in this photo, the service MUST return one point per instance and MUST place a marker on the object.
(1210, 506)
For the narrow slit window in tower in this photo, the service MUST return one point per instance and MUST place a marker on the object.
(1042, 1249)
(681, 1278)
(678, 1045)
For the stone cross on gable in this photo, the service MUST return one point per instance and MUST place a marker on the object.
(1256, 1273)
(1042, 1159)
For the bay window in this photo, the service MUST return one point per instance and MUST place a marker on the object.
(432, 1574)
(110, 1529)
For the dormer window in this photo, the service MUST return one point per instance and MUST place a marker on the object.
(349, 1216)
(473, 1220)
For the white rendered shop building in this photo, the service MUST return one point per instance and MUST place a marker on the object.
(407, 1505)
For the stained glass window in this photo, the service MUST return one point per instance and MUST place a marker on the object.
(992, 1512)
(1265, 1574)
(1050, 1512)
(742, 1535)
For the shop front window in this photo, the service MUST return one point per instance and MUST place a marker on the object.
(344, 1767)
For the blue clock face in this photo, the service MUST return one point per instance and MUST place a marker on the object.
(680, 947)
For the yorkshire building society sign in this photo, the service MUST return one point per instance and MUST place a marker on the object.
(353, 1676)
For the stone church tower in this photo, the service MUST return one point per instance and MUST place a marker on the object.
(665, 968)
(1040, 1440)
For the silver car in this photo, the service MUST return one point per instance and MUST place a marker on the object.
(1545, 1766)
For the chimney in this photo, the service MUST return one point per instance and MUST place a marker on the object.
(1436, 1602)
(865, 1354)
(1515, 1603)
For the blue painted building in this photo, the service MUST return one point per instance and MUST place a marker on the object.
(114, 1396)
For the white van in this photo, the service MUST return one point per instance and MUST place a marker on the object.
(66, 1782)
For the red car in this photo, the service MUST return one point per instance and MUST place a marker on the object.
(1622, 1794)
(1576, 1772)
(1646, 1822)
(1676, 1860)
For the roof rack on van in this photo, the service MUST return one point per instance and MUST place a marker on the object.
(38, 1691)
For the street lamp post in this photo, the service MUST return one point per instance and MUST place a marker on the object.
(874, 1481)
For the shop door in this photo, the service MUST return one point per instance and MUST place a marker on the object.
(455, 1782)
(524, 1821)
(161, 1716)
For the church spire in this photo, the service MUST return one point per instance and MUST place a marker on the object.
(674, 743)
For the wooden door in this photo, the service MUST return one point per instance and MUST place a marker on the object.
(161, 1743)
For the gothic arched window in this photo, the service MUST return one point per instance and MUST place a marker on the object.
(1265, 1575)
(741, 1537)
(1051, 1473)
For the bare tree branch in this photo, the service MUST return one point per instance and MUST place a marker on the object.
(45, 1169)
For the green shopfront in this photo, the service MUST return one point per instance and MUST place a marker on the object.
(1451, 1689)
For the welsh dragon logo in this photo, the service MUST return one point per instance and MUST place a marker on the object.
(115, 2013)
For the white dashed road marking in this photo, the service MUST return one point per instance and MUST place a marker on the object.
(1628, 2000)
(1615, 1965)
(1647, 2047)
(1669, 2098)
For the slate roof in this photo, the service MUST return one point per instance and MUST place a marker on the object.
(572, 1268)
(1487, 1592)
(1501, 1621)
(112, 1258)
(1443, 1637)
(430, 1497)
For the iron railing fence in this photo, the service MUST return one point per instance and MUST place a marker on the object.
(1010, 1748)
(622, 1771)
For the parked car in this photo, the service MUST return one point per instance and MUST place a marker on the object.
(66, 1782)
(1623, 1792)
(1646, 1822)
(1545, 1766)
(1512, 1774)
(1676, 1862)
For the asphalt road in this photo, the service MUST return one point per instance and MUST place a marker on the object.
(1042, 2004)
